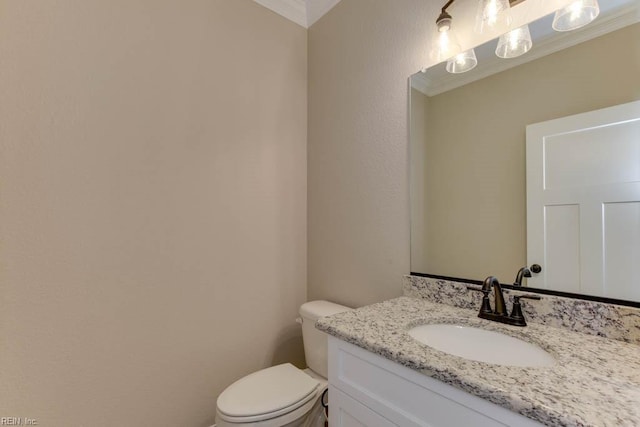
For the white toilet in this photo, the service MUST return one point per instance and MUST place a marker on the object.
(283, 395)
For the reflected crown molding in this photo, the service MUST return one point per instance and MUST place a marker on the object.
(559, 41)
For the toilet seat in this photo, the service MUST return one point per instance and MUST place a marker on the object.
(267, 394)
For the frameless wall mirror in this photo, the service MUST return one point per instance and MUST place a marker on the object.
(534, 160)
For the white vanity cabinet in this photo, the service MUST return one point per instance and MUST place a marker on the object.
(368, 390)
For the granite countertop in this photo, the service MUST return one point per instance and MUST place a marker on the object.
(596, 381)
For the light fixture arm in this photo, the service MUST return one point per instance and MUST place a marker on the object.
(444, 8)
(444, 20)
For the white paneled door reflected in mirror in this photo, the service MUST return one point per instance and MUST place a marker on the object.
(534, 160)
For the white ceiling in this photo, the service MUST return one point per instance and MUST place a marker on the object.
(302, 12)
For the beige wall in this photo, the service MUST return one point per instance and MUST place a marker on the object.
(360, 57)
(357, 177)
(474, 160)
(419, 104)
(152, 205)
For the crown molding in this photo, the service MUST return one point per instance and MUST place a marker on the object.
(620, 19)
(303, 12)
(293, 10)
(316, 9)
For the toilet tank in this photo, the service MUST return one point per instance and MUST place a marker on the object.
(315, 341)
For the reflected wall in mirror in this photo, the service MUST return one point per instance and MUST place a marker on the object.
(468, 146)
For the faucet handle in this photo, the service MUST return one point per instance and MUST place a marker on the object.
(486, 304)
(517, 318)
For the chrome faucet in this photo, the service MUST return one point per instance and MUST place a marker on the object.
(499, 313)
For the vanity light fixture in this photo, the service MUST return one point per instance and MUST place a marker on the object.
(444, 20)
(448, 45)
(493, 14)
(514, 43)
(576, 15)
(462, 62)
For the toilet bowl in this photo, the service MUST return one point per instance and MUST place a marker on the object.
(279, 396)
(283, 395)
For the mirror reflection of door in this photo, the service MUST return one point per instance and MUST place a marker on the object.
(583, 202)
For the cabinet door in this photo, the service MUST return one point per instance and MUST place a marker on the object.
(347, 412)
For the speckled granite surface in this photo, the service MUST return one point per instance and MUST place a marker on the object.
(596, 381)
(589, 317)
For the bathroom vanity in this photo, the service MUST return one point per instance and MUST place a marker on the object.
(379, 375)
(398, 396)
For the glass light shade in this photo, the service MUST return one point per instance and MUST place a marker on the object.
(462, 62)
(493, 14)
(514, 43)
(576, 15)
(448, 45)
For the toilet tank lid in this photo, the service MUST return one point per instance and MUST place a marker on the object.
(315, 309)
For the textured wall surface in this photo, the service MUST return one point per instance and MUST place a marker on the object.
(152, 206)
(360, 56)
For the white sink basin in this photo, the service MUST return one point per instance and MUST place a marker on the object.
(481, 345)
